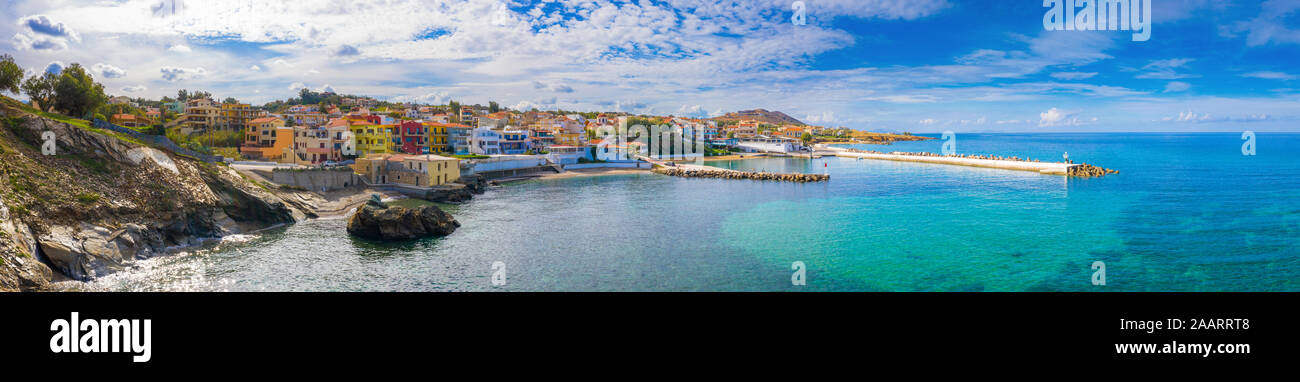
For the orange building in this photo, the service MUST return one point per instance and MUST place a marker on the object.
(267, 138)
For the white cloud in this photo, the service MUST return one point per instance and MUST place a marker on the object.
(926, 122)
(1190, 116)
(108, 71)
(1056, 117)
(135, 89)
(40, 24)
(1166, 69)
(1177, 86)
(558, 88)
(1271, 26)
(1196, 117)
(180, 49)
(28, 42)
(255, 68)
(296, 86)
(1271, 75)
(824, 118)
(1073, 75)
(41, 33)
(173, 74)
(915, 98)
(434, 98)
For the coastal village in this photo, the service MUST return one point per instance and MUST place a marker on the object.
(420, 145)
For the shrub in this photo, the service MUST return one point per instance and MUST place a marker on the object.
(88, 198)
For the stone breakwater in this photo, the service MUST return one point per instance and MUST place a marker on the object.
(964, 156)
(1089, 171)
(730, 174)
(989, 161)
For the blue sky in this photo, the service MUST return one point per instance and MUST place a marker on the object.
(886, 65)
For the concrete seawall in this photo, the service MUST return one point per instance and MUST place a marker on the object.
(1051, 168)
(315, 179)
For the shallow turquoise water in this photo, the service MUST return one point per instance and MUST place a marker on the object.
(1188, 212)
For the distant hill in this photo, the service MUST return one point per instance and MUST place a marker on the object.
(772, 117)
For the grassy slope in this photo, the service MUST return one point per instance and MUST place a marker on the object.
(80, 186)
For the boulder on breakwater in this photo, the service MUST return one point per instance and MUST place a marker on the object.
(729, 174)
(1089, 171)
(378, 221)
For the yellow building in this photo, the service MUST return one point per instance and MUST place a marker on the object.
(437, 134)
(238, 115)
(373, 139)
(201, 114)
(413, 170)
(428, 170)
(204, 114)
(568, 139)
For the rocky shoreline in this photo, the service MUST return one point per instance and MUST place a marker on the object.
(731, 174)
(104, 201)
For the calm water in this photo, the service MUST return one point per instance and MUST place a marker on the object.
(1187, 212)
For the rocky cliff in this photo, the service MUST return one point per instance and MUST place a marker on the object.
(104, 200)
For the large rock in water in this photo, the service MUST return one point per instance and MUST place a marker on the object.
(377, 221)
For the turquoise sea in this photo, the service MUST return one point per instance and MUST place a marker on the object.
(1188, 212)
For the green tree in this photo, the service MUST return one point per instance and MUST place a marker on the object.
(11, 75)
(807, 137)
(40, 88)
(182, 95)
(455, 111)
(230, 100)
(493, 107)
(76, 93)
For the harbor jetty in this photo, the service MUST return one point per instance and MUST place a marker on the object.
(986, 161)
(691, 171)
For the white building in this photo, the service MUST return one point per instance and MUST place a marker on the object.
(485, 141)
